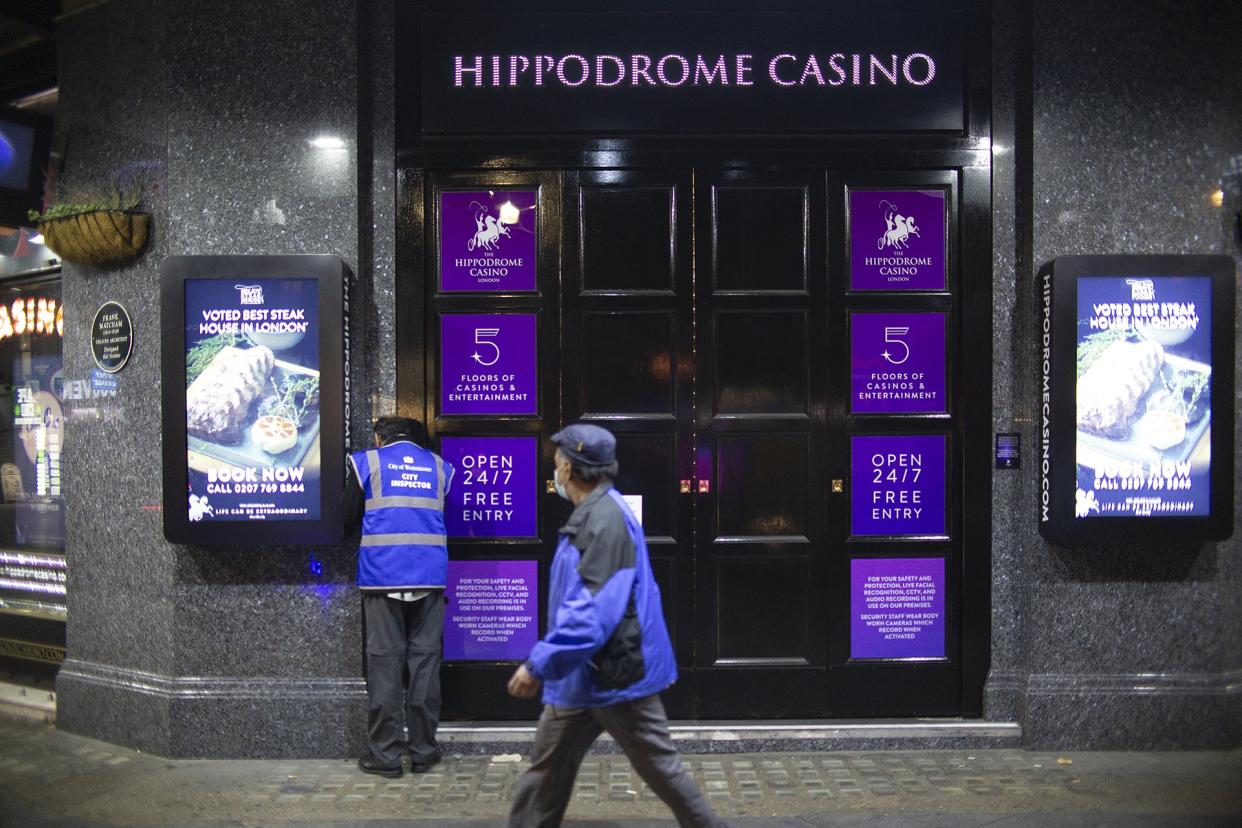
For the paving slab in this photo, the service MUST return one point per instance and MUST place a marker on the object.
(52, 779)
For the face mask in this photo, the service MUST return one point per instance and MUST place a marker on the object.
(558, 485)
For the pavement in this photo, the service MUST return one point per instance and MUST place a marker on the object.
(52, 779)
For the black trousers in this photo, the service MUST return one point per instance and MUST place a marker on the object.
(640, 727)
(403, 636)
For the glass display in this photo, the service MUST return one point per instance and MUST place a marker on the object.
(252, 399)
(1143, 396)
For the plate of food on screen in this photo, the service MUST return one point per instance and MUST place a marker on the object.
(1138, 400)
(246, 407)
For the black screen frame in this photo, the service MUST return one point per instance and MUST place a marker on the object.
(15, 204)
(331, 275)
(1056, 421)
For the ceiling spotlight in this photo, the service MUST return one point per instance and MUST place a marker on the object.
(327, 142)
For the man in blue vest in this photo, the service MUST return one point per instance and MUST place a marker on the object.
(606, 655)
(397, 492)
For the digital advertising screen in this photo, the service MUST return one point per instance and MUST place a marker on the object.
(1143, 396)
(257, 396)
(252, 399)
(1135, 440)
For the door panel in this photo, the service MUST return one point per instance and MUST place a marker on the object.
(760, 562)
(761, 362)
(628, 360)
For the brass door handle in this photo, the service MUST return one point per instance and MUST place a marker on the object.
(685, 487)
(551, 489)
(838, 486)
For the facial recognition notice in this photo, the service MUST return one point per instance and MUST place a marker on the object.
(491, 613)
(897, 363)
(1143, 396)
(897, 485)
(897, 240)
(493, 492)
(897, 608)
(488, 364)
(488, 240)
(252, 399)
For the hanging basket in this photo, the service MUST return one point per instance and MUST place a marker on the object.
(99, 237)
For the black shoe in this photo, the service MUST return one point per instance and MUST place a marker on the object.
(367, 764)
(423, 767)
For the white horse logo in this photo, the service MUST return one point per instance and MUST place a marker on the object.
(488, 232)
(900, 228)
(199, 508)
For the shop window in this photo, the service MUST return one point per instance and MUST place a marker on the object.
(32, 511)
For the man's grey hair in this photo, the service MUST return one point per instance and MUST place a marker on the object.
(593, 474)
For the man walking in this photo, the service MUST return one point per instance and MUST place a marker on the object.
(606, 655)
(397, 491)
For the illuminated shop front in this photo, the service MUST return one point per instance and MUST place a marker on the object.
(32, 514)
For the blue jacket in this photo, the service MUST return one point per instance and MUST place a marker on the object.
(601, 555)
(404, 541)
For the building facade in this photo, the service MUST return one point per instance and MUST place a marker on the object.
(689, 278)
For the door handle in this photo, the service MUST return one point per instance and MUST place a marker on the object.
(685, 487)
(551, 488)
(838, 486)
(705, 487)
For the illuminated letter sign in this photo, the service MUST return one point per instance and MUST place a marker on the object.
(846, 68)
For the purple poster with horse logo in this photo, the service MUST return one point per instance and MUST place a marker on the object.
(493, 491)
(487, 364)
(897, 240)
(897, 484)
(488, 240)
(897, 363)
(492, 609)
(897, 608)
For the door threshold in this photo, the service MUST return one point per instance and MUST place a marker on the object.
(763, 736)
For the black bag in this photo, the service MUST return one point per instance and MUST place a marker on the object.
(619, 663)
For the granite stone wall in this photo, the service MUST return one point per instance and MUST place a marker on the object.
(194, 651)
(1135, 119)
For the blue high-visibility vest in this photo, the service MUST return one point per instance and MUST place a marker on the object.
(404, 542)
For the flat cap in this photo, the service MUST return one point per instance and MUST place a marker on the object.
(585, 444)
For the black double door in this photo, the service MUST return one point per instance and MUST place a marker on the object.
(703, 316)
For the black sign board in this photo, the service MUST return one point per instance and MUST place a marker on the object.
(112, 337)
(1135, 429)
(1009, 450)
(253, 367)
(841, 67)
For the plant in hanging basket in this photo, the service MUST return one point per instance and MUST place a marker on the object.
(90, 228)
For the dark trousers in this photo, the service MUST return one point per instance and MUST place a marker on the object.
(640, 727)
(403, 636)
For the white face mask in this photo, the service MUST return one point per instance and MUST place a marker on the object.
(558, 485)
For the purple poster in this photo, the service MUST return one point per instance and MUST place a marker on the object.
(487, 240)
(897, 608)
(487, 364)
(493, 492)
(897, 363)
(897, 240)
(898, 485)
(491, 610)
